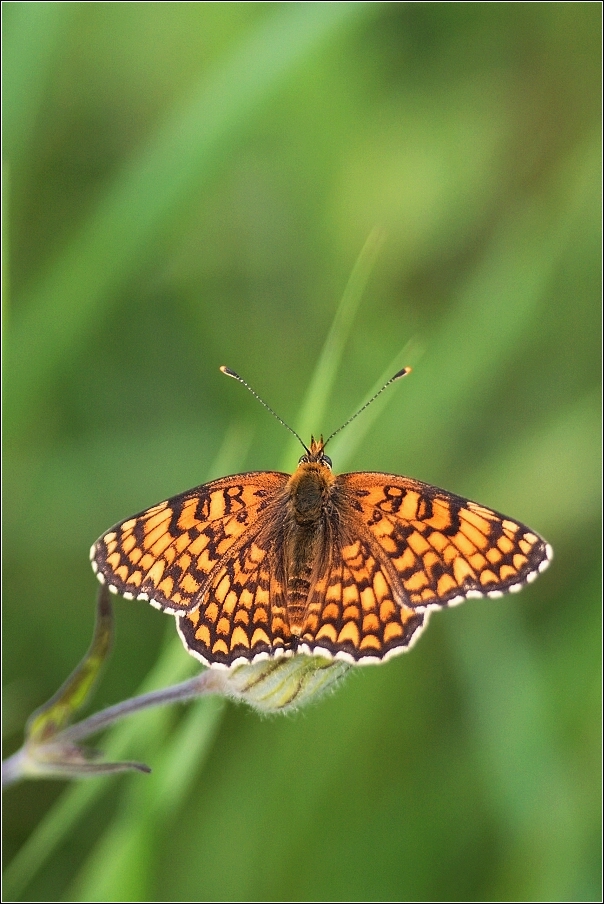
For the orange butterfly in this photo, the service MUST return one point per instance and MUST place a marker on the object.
(347, 566)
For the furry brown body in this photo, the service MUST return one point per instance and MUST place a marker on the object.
(306, 536)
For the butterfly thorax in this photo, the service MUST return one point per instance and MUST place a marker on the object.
(309, 491)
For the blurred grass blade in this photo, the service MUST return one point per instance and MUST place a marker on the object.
(139, 208)
(32, 36)
(60, 710)
(346, 443)
(567, 493)
(321, 384)
(504, 690)
(500, 303)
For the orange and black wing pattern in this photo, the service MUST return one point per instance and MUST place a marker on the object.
(243, 615)
(356, 611)
(437, 549)
(169, 553)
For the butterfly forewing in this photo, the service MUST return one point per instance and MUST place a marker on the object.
(444, 548)
(167, 553)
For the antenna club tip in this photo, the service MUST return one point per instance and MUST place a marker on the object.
(402, 373)
(228, 372)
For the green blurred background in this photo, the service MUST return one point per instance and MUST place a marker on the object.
(188, 185)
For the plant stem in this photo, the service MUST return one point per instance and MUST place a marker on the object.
(16, 766)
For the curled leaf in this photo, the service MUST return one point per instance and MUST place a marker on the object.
(59, 711)
(48, 751)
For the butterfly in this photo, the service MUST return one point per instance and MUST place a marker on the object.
(266, 564)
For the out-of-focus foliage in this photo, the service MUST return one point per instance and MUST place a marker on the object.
(188, 185)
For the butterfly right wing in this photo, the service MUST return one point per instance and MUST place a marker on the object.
(167, 554)
(354, 611)
(439, 548)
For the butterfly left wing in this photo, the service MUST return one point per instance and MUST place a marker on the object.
(242, 617)
(167, 554)
(438, 548)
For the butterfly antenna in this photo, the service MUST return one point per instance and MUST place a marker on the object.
(397, 376)
(235, 376)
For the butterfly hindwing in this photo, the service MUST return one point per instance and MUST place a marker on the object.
(354, 613)
(167, 553)
(443, 547)
(243, 615)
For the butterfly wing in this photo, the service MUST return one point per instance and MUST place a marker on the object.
(440, 548)
(242, 617)
(168, 553)
(355, 611)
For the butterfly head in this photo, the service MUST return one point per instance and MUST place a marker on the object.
(316, 453)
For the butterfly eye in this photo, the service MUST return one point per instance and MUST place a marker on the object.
(326, 460)
(302, 459)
